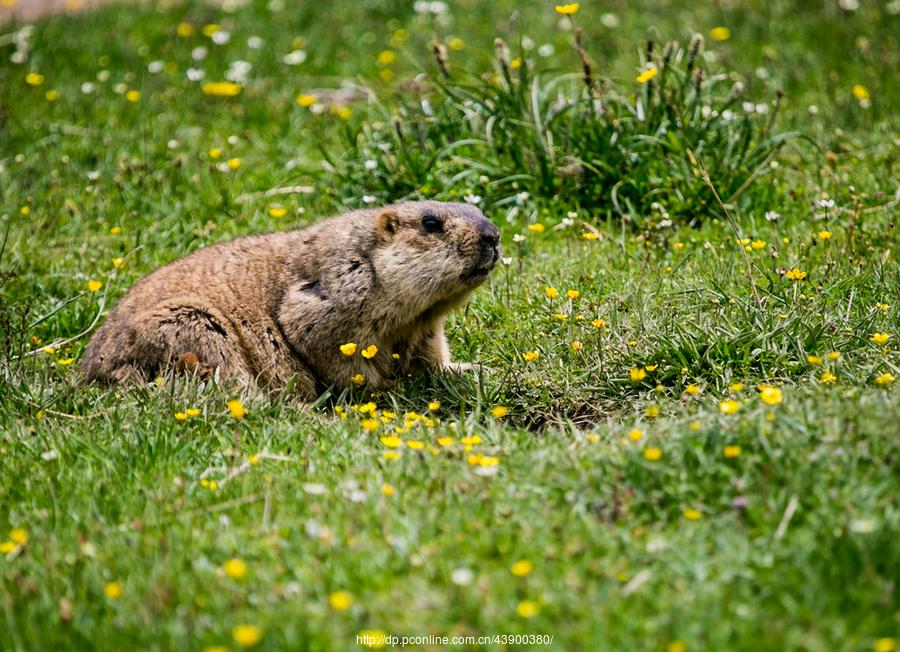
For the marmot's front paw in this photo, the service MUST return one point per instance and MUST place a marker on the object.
(465, 367)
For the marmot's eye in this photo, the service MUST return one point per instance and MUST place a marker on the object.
(431, 224)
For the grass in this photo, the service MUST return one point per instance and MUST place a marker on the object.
(660, 501)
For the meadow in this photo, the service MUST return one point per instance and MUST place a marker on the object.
(685, 437)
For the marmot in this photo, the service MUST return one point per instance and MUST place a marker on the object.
(267, 309)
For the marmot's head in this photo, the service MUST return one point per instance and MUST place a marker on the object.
(435, 250)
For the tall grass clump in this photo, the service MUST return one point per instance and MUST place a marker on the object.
(617, 148)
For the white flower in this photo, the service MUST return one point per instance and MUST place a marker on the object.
(762, 108)
(238, 71)
(93, 175)
(199, 53)
(462, 576)
(221, 37)
(155, 67)
(567, 221)
(369, 199)
(103, 76)
(314, 488)
(813, 109)
(761, 73)
(749, 107)
(49, 455)
(120, 88)
(234, 139)
(728, 115)
(472, 199)
(610, 21)
(664, 224)
(772, 216)
(87, 88)
(546, 50)
(294, 58)
(522, 197)
(848, 5)
(195, 74)
(572, 215)
(371, 164)
(518, 237)
(255, 43)
(506, 260)
(172, 144)
(824, 203)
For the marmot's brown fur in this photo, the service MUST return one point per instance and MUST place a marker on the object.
(269, 308)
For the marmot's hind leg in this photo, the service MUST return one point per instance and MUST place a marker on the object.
(182, 338)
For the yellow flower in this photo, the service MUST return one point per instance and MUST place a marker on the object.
(34, 79)
(343, 112)
(386, 57)
(215, 152)
(434, 406)
(824, 235)
(592, 437)
(235, 568)
(527, 608)
(369, 352)
(52, 95)
(676, 646)
(814, 360)
(577, 346)
(770, 395)
(118, 262)
(589, 235)
(551, 293)
(192, 412)
(373, 638)
(391, 441)
(521, 568)
(795, 274)
(94, 286)
(390, 456)
(473, 440)
(306, 101)
(880, 338)
(499, 411)
(860, 92)
(237, 409)
(834, 356)
(691, 514)
(637, 374)
(184, 30)
(651, 411)
(341, 600)
(65, 362)
(215, 648)
(568, 9)
(536, 228)
(736, 387)
(181, 416)
(247, 635)
(530, 356)
(635, 434)
(221, 89)
(560, 316)
(827, 377)
(19, 536)
(883, 307)
(234, 163)
(732, 451)
(25, 210)
(277, 211)
(757, 244)
(573, 294)
(369, 424)
(598, 323)
(210, 29)
(7, 547)
(729, 406)
(388, 489)
(113, 590)
(456, 44)
(885, 379)
(445, 441)
(720, 33)
(133, 96)
(647, 75)
(348, 349)
(692, 389)
(415, 445)
(652, 454)
(885, 645)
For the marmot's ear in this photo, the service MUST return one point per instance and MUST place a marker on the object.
(388, 222)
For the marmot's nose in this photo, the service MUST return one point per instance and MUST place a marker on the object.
(490, 234)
